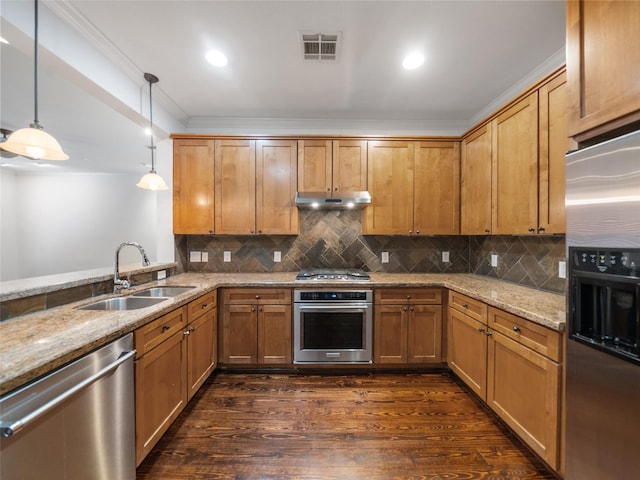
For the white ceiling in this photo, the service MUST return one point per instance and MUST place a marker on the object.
(476, 53)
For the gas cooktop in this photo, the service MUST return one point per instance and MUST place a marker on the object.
(329, 274)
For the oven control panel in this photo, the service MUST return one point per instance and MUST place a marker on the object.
(333, 296)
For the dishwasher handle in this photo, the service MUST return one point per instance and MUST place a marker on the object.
(9, 429)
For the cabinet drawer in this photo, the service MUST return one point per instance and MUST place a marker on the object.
(469, 306)
(153, 334)
(263, 296)
(412, 296)
(202, 305)
(540, 339)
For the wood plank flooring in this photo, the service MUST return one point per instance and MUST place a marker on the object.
(370, 426)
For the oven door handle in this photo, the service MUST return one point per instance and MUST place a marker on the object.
(334, 307)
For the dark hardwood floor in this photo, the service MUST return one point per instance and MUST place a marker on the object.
(372, 426)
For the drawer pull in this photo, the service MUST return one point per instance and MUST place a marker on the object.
(481, 329)
(404, 309)
(204, 305)
(465, 305)
(489, 334)
(411, 308)
(166, 327)
(257, 297)
(516, 328)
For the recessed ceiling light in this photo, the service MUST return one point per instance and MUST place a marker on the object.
(413, 61)
(216, 57)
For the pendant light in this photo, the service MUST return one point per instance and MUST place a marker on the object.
(33, 142)
(152, 181)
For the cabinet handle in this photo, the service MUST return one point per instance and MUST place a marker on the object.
(259, 309)
(486, 230)
(540, 229)
(328, 189)
(253, 309)
(189, 331)
(481, 329)
(516, 328)
(465, 305)
(408, 297)
(410, 232)
(204, 305)
(417, 232)
(489, 334)
(411, 308)
(404, 309)
(166, 327)
(335, 189)
(531, 229)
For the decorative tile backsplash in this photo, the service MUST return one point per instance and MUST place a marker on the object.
(333, 239)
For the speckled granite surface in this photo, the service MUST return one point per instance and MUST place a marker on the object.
(35, 344)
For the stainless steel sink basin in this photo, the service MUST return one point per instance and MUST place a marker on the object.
(124, 303)
(162, 292)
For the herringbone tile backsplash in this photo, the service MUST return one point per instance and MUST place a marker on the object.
(333, 239)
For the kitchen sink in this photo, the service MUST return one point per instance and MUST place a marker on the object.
(124, 303)
(162, 292)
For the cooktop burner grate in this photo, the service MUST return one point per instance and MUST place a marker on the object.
(317, 274)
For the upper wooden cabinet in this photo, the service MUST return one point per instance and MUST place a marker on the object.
(193, 186)
(414, 188)
(514, 173)
(512, 167)
(475, 182)
(332, 166)
(603, 66)
(255, 187)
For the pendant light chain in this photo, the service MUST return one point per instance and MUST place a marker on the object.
(153, 165)
(35, 70)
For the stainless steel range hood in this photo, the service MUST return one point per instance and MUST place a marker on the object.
(340, 200)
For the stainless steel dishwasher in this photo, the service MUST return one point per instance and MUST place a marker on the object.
(76, 423)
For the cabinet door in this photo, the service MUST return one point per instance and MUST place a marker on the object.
(314, 165)
(390, 180)
(240, 334)
(603, 65)
(193, 186)
(475, 183)
(437, 188)
(554, 144)
(424, 334)
(523, 389)
(515, 169)
(276, 182)
(235, 190)
(201, 350)
(467, 351)
(349, 165)
(161, 391)
(274, 334)
(390, 334)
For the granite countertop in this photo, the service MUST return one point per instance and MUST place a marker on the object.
(32, 345)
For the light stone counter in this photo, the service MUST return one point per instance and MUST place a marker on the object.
(32, 345)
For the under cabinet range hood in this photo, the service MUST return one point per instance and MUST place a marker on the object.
(339, 200)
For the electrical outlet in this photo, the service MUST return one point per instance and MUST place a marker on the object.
(562, 269)
(445, 257)
(277, 256)
(494, 260)
(161, 274)
(205, 256)
(226, 256)
(195, 257)
(385, 257)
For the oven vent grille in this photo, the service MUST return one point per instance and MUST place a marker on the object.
(320, 46)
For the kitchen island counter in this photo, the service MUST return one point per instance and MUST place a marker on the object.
(33, 345)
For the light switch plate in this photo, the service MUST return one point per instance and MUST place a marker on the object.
(562, 269)
(445, 257)
(494, 260)
(195, 257)
(226, 256)
(277, 256)
(385, 257)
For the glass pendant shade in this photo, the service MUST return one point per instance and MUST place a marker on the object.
(152, 181)
(34, 142)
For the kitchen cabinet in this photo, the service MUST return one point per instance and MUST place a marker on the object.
(193, 199)
(407, 326)
(256, 326)
(475, 182)
(513, 365)
(255, 187)
(603, 66)
(514, 170)
(414, 188)
(175, 354)
(329, 166)
(512, 167)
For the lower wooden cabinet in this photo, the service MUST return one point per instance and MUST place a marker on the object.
(174, 356)
(514, 365)
(407, 326)
(256, 327)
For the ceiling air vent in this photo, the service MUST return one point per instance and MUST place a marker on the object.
(320, 46)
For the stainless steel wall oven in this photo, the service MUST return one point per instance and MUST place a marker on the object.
(333, 326)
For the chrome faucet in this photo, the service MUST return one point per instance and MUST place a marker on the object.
(118, 283)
